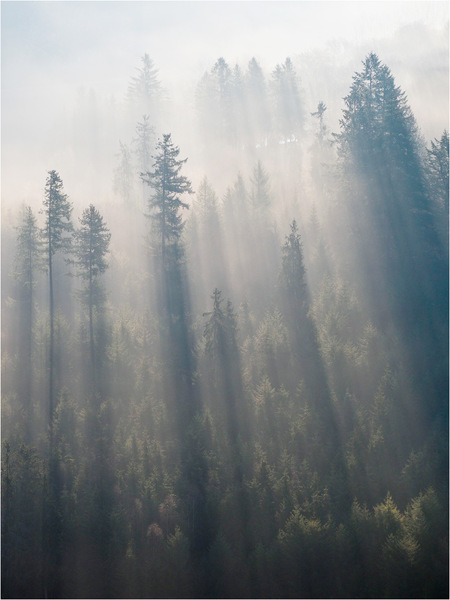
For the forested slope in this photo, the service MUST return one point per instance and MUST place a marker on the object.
(239, 387)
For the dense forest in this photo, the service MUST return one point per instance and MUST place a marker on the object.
(232, 386)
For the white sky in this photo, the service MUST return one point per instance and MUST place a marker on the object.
(52, 49)
(97, 40)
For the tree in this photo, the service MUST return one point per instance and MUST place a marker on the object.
(222, 352)
(260, 194)
(57, 211)
(214, 331)
(438, 169)
(257, 103)
(292, 275)
(391, 218)
(143, 143)
(214, 99)
(165, 203)
(29, 260)
(323, 129)
(287, 103)
(57, 227)
(91, 244)
(205, 242)
(144, 91)
(168, 185)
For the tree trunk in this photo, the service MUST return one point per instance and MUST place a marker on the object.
(91, 332)
(51, 356)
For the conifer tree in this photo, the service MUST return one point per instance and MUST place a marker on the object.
(57, 227)
(438, 169)
(292, 275)
(143, 143)
(56, 234)
(288, 119)
(29, 260)
(214, 331)
(257, 103)
(167, 185)
(91, 244)
(323, 130)
(145, 90)
(391, 216)
(260, 194)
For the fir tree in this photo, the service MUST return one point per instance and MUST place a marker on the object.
(167, 185)
(57, 211)
(29, 260)
(292, 275)
(91, 244)
(287, 102)
(57, 227)
(260, 194)
(145, 91)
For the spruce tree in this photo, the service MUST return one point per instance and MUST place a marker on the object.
(91, 244)
(167, 185)
(29, 260)
(56, 235)
(292, 275)
(288, 109)
(257, 104)
(145, 90)
(260, 193)
(392, 219)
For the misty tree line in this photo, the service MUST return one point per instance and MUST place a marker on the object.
(242, 411)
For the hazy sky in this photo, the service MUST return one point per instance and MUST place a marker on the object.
(52, 49)
(98, 41)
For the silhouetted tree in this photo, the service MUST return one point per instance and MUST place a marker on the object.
(57, 212)
(390, 214)
(167, 185)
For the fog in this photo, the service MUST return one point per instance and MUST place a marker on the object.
(224, 299)
(64, 63)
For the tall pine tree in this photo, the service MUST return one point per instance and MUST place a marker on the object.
(56, 235)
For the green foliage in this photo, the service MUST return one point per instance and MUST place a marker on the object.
(296, 449)
(167, 185)
(29, 253)
(57, 212)
(292, 276)
(91, 244)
